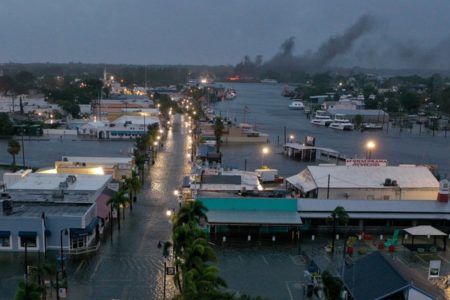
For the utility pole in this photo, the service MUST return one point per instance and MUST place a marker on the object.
(328, 187)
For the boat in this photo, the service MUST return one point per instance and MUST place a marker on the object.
(341, 123)
(321, 118)
(296, 105)
(230, 94)
(269, 81)
(372, 126)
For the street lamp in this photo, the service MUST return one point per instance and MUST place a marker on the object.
(169, 212)
(370, 147)
(65, 232)
(264, 151)
(291, 138)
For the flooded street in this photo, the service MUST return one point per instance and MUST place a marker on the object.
(131, 266)
(268, 110)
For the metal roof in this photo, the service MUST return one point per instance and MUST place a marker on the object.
(407, 176)
(376, 209)
(253, 217)
(424, 230)
(376, 276)
(298, 146)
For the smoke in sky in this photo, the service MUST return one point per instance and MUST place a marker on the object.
(324, 55)
(366, 43)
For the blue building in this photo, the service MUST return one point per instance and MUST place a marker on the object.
(41, 226)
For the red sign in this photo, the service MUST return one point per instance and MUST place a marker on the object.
(366, 162)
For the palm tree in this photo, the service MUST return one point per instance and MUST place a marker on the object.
(13, 149)
(192, 212)
(133, 185)
(29, 291)
(338, 216)
(118, 200)
(218, 132)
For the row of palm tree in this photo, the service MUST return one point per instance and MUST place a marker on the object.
(196, 275)
(126, 195)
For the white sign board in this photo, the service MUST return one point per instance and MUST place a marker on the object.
(113, 186)
(62, 293)
(434, 269)
(366, 162)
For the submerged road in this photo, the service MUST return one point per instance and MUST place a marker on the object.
(131, 267)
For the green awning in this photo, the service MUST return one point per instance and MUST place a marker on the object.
(5, 234)
(27, 234)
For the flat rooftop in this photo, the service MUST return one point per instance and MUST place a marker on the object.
(35, 210)
(37, 181)
(100, 160)
(136, 120)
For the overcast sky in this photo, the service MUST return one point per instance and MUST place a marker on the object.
(198, 31)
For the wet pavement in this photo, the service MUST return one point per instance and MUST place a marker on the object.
(131, 266)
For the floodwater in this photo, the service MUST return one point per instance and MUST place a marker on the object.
(268, 110)
(44, 151)
(130, 265)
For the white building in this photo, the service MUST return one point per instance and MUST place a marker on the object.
(37, 105)
(118, 167)
(404, 182)
(24, 185)
(124, 127)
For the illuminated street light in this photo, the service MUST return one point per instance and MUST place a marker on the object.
(169, 212)
(176, 192)
(264, 151)
(370, 147)
(291, 138)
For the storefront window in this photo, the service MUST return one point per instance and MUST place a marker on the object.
(5, 242)
(78, 242)
(30, 241)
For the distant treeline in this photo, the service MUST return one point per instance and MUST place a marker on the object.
(155, 75)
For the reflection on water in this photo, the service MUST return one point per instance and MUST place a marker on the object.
(268, 110)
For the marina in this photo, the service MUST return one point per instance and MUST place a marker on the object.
(418, 146)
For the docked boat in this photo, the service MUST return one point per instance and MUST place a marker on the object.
(372, 126)
(230, 94)
(269, 81)
(341, 123)
(321, 118)
(296, 105)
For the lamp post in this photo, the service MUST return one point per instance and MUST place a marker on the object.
(291, 138)
(264, 151)
(65, 232)
(370, 147)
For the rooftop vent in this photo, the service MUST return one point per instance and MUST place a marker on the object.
(71, 179)
(63, 185)
(7, 207)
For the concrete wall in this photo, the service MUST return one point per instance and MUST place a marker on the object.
(57, 223)
(16, 224)
(384, 193)
(60, 132)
